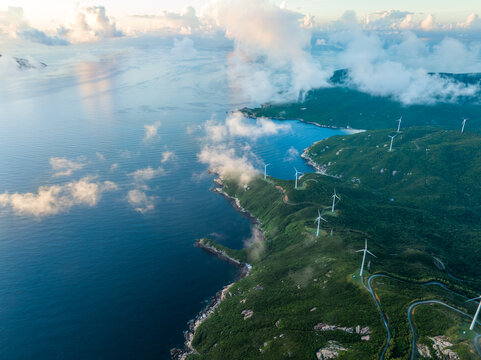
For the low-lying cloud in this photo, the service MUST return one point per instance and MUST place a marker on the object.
(147, 173)
(271, 58)
(379, 69)
(236, 125)
(151, 131)
(140, 201)
(292, 154)
(167, 156)
(184, 49)
(228, 162)
(55, 199)
(65, 167)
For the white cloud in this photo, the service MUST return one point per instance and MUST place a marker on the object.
(429, 24)
(236, 125)
(151, 131)
(184, 48)
(386, 19)
(271, 60)
(292, 154)
(167, 156)
(228, 164)
(65, 167)
(12, 20)
(54, 199)
(100, 156)
(8, 65)
(215, 132)
(395, 20)
(14, 23)
(140, 201)
(374, 70)
(147, 173)
(473, 22)
(89, 24)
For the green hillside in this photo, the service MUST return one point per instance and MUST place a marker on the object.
(421, 216)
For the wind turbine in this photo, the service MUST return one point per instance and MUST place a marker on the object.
(265, 171)
(399, 124)
(334, 197)
(392, 139)
(365, 251)
(477, 312)
(318, 219)
(297, 173)
(464, 123)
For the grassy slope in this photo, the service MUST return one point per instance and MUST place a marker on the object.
(298, 271)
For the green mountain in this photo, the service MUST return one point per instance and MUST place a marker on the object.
(341, 106)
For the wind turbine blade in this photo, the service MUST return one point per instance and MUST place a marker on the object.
(371, 253)
(323, 218)
(476, 298)
(319, 212)
(360, 250)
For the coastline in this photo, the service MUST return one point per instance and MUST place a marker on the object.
(204, 314)
(320, 169)
(348, 129)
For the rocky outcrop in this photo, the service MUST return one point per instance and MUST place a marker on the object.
(424, 351)
(331, 351)
(364, 331)
(247, 314)
(441, 347)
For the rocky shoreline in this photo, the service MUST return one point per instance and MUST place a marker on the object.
(188, 349)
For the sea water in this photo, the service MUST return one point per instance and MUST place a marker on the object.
(107, 281)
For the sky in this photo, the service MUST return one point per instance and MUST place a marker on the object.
(389, 47)
(55, 11)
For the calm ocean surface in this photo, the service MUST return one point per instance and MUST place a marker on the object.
(108, 282)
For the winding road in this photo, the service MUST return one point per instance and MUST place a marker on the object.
(410, 311)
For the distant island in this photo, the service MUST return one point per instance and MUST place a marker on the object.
(26, 64)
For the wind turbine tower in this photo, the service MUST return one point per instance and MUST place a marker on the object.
(265, 171)
(392, 139)
(477, 312)
(297, 173)
(464, 123)
(334, 197)
(318, 219)
(399, 124)
(365, 251)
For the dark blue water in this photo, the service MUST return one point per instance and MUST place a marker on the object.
(106, 281)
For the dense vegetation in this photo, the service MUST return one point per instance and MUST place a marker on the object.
(342, 106)
(419, 207)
